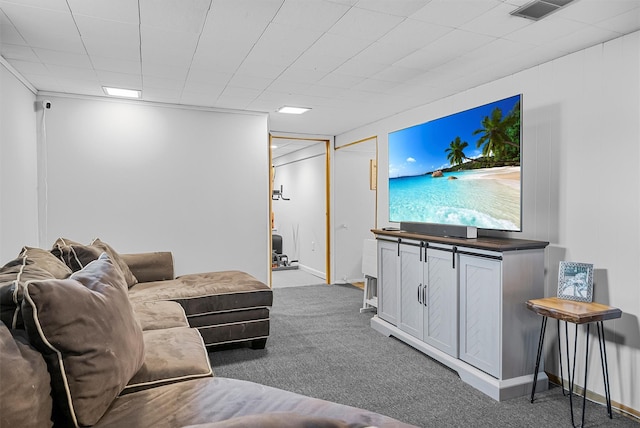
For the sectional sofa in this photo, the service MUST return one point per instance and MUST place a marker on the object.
(91, 337)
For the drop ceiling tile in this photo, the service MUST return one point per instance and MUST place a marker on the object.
(47, 29)
(260, 69)
(167, 71)
(170, 15)
(236, 91)
(301, 75)
(103, 47)
(497, 22)
(250, 82)
(413, 34)
(340, 80)
(310, 14)
(59, 5)
(397, 74)
(321, 63)
(385, 52)
(377, 86)
(220, 57)
(161, 95)
(402, 8)
(211, 90)
(365, 24)
(239, 19)
(28, 67)
(113, 10)
(359, 68)
(116, 65)
(337, 46)
(454, 13)
(206, 75)
(168, 47)
(119, 80)
(587, 36)
(118, 32)
(230, 102)
(281, 43)
(72, 72)
(592, 12)
(18, 52)
(624, 23)
(544, 31)
(8, 33)
(288, 87)
(68, 59)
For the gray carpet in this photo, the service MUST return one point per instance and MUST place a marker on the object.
(321, 346)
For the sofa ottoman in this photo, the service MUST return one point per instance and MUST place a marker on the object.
(226, 307)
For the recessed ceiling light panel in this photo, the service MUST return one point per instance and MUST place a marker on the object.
(293, 110)
(119, 92)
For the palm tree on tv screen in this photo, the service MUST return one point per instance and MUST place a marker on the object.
(500, 137)
(455, 152)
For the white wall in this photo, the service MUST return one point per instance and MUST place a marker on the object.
(581, 190)
(147, 177)
(18, 167)
(301, 221)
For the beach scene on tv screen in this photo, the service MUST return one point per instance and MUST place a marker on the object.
(461, 169)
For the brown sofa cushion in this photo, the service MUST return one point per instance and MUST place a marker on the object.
(216, 399)
(233, 290)
(160, 315)
(280, 420)
(31, 263)
(77, 256)
(25, 390)
(87, 331)
(171, 355)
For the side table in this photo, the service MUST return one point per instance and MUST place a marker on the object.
(577, 313)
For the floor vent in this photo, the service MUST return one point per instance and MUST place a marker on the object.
(538, 9)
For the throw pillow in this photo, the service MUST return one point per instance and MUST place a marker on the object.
(87, 331)
(77, 256)
(25, 395)
(31, 263)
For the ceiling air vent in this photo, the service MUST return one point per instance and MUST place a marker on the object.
(538, 9)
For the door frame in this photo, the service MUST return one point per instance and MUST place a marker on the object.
(327, 143)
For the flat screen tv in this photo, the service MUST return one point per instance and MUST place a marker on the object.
(462, 169)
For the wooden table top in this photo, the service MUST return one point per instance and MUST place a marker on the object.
(572, 311)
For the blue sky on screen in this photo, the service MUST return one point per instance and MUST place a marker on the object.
(421, 148)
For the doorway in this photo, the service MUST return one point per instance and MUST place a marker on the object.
(299, 208)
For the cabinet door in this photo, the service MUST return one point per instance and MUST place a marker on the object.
(388, 281)
(411, 290)
(441, 301)
(480, 291)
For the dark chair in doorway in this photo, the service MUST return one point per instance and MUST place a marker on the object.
(280, 261)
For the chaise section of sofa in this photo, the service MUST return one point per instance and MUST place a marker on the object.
(226, 306)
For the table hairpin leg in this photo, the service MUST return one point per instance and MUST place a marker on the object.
(540, 343)
(560, 356)
(605, 367)
(573, 375)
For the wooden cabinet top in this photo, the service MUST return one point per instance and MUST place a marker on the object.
(482, 242)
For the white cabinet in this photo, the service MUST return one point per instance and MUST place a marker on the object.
(421, 289)
(388, 281)
(429, 295)
(480, 313)
(464, 305)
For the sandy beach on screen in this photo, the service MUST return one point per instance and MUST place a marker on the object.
(507, 175)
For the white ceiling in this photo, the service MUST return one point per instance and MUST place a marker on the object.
(352, 61)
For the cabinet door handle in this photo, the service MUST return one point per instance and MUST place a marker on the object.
(420, 254)
(453, 257)
(419, 292)
(424, 295)
(426, 245)
(399, 246)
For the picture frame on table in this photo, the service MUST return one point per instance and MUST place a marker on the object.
(575, 281)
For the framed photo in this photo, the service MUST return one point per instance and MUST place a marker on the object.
(575, 281)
